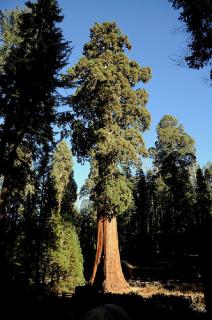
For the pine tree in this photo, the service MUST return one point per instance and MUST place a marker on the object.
(9, 33)
(26, 247)
(133, 221)
(85, 222)
(62, 170)
(174, 156)
(207, 169)
(158, 216)
(27, 87)
(197, 15)
(64, 256)
(171, 138)
(109, 116)
(203, 197)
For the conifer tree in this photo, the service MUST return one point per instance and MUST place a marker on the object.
(203, 197)
(64, 256)
(9, 33)
(171, 138)
(196, 15)
(174, 156)
(27, 224)
(86, 220)
(109, 116)
(207, 169)
(28, 81)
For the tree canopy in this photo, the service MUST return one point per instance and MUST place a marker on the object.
(32, 59)
(109, 113)
(197, 16)
(171, 139)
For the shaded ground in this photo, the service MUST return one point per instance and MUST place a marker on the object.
(184, 269)
(146, 301)
(162, 288)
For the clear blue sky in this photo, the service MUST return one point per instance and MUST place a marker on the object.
(156, 36)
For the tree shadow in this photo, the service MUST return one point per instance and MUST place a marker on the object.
(35, 305)
(138, 307)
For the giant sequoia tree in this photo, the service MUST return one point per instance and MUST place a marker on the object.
(174, 158)
(171, 138)
(109, 117)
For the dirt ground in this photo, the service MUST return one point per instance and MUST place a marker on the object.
(170, 299)
(190, 291)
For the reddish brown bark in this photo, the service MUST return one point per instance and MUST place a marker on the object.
(108, 258)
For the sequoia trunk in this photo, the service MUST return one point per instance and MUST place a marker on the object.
(107, 271)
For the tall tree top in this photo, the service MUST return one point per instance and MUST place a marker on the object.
(31, 69)
(109, 113)
(105, 37)
(9, 33)
(62, 168)
(172, 138)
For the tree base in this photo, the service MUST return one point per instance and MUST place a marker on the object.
(107, 271)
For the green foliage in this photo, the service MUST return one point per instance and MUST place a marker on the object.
(207, 169)
(65, 267)
(197, 15)
(174, 156)
(9, 33)
(166, 198)
(208, 173)
(43, 233)
(204, 199)
(64, 257)
(69, 199)
(32, 52)
(85, 222)
(40, 243)
(109, 114)
(62, 167)
(118, 195)
(35, 53)
(171, 138)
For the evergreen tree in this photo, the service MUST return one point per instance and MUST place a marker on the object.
(27, 92)
(158, 216)
(61, 172)
(207, 169)
(109, 116)
(64, 256)
(174, 156)
(171, 138)
(133, 221)
(31, 55)
(28, 236)
(197, 15)
(203, 198)
(85, 222)
(9, 33)
(64, 261)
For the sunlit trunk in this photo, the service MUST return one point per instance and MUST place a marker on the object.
(107, 272)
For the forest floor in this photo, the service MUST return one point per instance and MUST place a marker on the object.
(145, 300)
(166, 299)
(169, 278)
(157, 290)
(191, 291)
